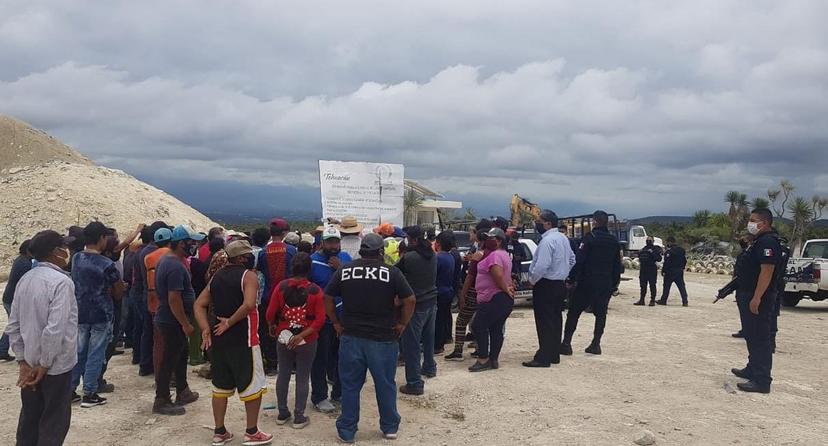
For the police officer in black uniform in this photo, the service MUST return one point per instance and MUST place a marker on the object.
(675, 260)
(597, 273)
(647, 275)
(756, 297)
(744, 243)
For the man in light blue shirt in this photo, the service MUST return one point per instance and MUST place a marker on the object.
(550, 267)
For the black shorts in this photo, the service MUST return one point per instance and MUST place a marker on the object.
(238, 369)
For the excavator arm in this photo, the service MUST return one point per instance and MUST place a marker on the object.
(523, 209)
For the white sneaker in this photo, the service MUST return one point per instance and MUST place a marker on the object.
(325, 406)
(389, 436)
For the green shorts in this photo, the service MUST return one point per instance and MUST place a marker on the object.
(238, 369)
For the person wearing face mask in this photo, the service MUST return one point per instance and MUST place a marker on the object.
(97, 284)
(744, 243)
(756, 297)
(597, 272)
(324, 263)
(43, 333)
(675, 261)
(233, 341)
(550, 267)
(175, 308)
(647, 275)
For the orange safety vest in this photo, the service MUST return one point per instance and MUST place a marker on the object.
(151, 262)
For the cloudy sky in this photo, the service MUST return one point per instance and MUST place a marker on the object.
(638, 107)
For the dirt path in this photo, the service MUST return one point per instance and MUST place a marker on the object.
(663, 369)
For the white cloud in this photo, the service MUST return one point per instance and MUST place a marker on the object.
(642, 107)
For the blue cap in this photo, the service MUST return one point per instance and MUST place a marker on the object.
(398, 232)
(162, 235)
(182, 232)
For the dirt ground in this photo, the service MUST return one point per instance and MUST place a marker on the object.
(664, 369)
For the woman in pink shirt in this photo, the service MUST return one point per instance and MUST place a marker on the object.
(495, 298)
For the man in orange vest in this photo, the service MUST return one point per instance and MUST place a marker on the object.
(162, 239)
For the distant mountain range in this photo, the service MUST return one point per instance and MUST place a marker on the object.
(668, 220)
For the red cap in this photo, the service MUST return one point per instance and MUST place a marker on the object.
(280, 223)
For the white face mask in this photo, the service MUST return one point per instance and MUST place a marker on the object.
(753, 227)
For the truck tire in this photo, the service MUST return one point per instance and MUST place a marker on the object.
(791, 299)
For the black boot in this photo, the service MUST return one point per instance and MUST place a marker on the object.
(640, 302)
(566, 348)
(652, 302)
(594, 348)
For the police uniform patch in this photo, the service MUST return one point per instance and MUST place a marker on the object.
(768, 253)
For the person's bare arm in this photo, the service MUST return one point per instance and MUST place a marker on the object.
(765, 277)
(129, 239)
(250, 288)
(118, 289)
(200, 312)
(330, 311)
(406, 312)
(177, 307)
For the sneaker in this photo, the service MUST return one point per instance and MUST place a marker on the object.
(481, 367)
(300, 422)
(661, 302)
(409, 390)
(389, 436)
(257, 439)
(474, 354)
(166, 407)
(106, 387)
(342, 440)
(454, 356)
(75, 397)
(325, 406)
(223, 439)
(428, 375)
(92, 400)
(7, 358)
(185, 397)
(283, 418)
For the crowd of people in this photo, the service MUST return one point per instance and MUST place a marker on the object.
(322, 309)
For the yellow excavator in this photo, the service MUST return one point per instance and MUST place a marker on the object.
(524, 212)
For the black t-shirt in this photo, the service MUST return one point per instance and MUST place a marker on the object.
(765, 250)
(368, 288)
(172, 275)
(421, 274)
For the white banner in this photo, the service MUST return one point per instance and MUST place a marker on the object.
(371, 192)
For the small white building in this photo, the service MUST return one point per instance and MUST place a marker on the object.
(426, 213)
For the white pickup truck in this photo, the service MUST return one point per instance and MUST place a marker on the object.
(806, 276)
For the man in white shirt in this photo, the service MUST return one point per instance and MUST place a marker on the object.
(548, 272)
(43, 332)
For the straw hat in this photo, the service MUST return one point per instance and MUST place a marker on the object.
(350, 225)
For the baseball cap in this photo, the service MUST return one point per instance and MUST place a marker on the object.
(238, 248)
(292, 238)
(280, 223)
(331, 232)
(372, 242)
(182, 232)
(398, 232)
(162, 235)
(497, 233)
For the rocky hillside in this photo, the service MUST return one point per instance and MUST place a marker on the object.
(45, 184)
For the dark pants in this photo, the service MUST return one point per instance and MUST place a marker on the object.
(321, 364)
(270, 357)
(128, 325)
(648, 277)
(418, 344)
(442, 322)
(356, 357)
(464, 316)
(46, 412)
(596, 293)
(173, 359)
(489, 323)
(137, 328)
(302, 358)
(676, 277)
(757, 329)
(547, 300)
(4, 340)
(146, 364)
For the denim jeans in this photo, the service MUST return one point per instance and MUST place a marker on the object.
(356, 356)
(92, 342)
(417, 339)
(322, 363)
(4, 340)
(147, 363)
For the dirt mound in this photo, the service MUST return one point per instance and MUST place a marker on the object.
(24, 145)
(45, 184)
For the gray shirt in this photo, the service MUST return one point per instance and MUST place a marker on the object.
(43, 324)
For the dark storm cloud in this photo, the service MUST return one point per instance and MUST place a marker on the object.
(642, 107)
